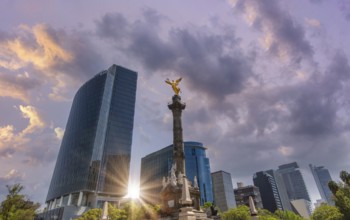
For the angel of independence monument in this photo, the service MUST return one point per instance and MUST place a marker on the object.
(180, 199)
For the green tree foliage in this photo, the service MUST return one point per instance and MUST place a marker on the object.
(130, 211)
(91, 214)
(16, 206)
(96, 214)
(287, 215)
(341, 194)
(265, 214)
(239, 213)
(327, 212)
(207, 205)
(136, 211)
(116, 214)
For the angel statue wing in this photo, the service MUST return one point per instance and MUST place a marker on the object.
(168, 81)
(178, 80)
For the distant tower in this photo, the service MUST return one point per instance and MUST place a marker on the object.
(94, 157)
(224, 197)
(282, 191)
(294, 182)
(268, 190)
(322, 178)
(157, 165)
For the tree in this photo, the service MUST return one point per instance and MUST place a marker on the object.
(287, 215)
(327, 212)
(96, 214)
(341, 194)
(116, 214)
(91, 214)
(16, 206)
(265, 214)
(207, 205)
(239, 213)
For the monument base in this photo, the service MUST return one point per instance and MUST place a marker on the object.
(186, 213)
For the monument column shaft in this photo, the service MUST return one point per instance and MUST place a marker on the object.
(179, 156)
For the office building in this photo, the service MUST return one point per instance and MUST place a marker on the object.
(268, 191)
(322, 178)
(294, 182)
(242, 194)
(223, 190)
(282, 191)
(94, 157)
(157, 165)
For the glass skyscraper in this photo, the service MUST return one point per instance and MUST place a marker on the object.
(294, 182)
(94, 158)
(322, 178)
(157, 165)
(224, 197)
(268, 191)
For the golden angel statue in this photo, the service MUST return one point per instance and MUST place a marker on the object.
(174, 84)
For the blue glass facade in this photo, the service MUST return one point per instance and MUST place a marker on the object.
(95, 150)
(157, 165)
(322, 178)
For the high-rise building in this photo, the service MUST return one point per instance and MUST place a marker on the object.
(94, 158)
(157, 165)
(294, 182)
(282, 191)
(242, 194)
(223, 190)
(322, 178)
(268, 191)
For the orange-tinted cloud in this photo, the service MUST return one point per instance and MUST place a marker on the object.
(43, 54)
(35, 120)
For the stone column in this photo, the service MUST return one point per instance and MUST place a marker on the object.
(80, 198)
(179, 156)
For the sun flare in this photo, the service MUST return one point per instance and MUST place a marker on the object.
(133, 191)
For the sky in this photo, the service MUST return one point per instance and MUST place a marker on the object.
(264, 82)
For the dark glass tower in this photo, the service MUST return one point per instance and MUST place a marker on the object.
(94, 158)
(268, 191)
(158, 164)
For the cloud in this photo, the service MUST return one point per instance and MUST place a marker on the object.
(313, 22)
(35, 120)
(286, 151)
(6, 136)
(12, 141)
(17, 86)
(284, 36)
(59, 133)
(13, 176)
(344, 7)
(58, 58)
(44, 53)
(212, 62)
